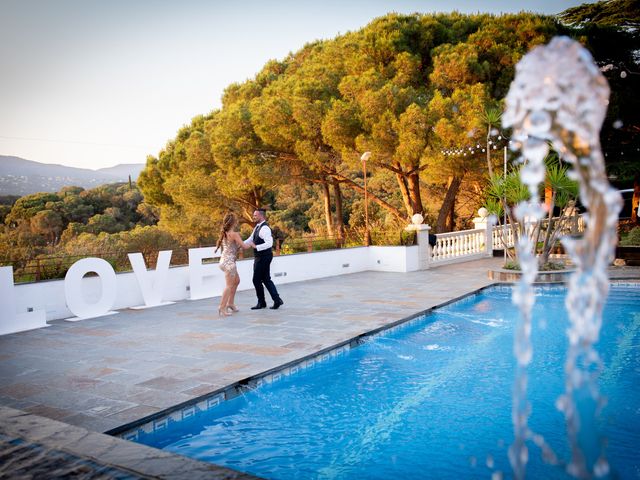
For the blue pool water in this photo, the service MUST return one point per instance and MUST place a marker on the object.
(430, 400)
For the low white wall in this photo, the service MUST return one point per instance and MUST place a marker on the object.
(50, 295)
(394, 259)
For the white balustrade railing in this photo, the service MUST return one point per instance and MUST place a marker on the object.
(463, 245)
(502, 232)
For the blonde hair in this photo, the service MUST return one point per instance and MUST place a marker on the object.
(227, 224)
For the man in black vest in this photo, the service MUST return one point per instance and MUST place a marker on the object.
(261, 240)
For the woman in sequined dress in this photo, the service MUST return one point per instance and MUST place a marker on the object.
(229, 241)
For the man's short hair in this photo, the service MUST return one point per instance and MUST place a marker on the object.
(262, 211)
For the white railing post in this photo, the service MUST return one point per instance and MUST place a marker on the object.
(422, 237)
(488, 242)
(484, 222)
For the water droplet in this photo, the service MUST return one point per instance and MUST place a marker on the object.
(623, 74)
(538, 123)
(601, 468)
(535, 149)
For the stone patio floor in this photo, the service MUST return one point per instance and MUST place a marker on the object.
(86, 377)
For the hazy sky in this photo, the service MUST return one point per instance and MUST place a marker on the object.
(94, 83)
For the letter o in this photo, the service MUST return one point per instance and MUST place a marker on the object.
(73, 288)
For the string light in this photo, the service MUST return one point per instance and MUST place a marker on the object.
(492, 144)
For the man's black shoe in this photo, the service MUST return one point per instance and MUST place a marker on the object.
(276, 304)
(259, 306)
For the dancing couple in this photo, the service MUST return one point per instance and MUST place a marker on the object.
(261, 240)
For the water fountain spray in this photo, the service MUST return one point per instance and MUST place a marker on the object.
(559, 97)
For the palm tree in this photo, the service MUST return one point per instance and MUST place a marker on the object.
(491, 117)
(504, 193)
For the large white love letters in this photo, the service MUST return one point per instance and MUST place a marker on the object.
(152, 283)
(10, 320)
(73, 291)
(199, 271)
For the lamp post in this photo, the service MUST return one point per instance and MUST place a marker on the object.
(504, 222)
(367, 236)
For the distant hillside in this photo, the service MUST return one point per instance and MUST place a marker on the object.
(123, 170)
(22, 177)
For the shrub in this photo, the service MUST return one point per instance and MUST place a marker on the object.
(551, 266)
(547, 267)
(408, 237)
(633, 238)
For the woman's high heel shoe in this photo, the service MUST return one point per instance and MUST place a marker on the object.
(232, 309)
(223, 313)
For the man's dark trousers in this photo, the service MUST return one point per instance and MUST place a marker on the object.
(262, 275)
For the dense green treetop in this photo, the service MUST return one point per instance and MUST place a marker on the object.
(608, 13)
(404, 87)
(37, 223)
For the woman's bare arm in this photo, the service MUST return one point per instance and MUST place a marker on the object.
(238, 239)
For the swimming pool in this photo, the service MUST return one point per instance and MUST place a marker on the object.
(430, 399)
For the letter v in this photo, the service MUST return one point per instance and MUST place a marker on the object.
(151, 283)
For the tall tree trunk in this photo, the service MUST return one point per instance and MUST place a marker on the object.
(404, 189)
(414, 192)
(448, 204)
(546, 245)
(249, 202)
(635, 201)
(451, 221)
(256, 197)
(349, 183)
(337, 193)
(326, 193)
(489, 166)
